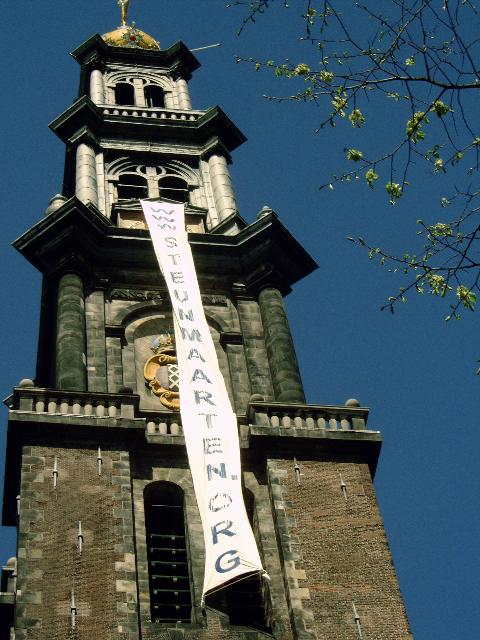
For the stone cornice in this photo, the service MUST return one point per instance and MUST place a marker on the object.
(176, 58)
(262, 254)
(209, 129)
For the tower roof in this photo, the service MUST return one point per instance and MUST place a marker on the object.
(131, 37)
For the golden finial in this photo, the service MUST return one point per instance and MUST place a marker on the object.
(124, 7)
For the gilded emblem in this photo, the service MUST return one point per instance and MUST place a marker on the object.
(161, 371)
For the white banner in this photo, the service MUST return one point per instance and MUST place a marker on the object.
(209, 423)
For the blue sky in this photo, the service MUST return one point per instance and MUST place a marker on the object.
(415, 372)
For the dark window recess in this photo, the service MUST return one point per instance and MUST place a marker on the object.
(244, 601)
(174, 189)
(154, 96)
(124, 94)
(170, 597)
(130, 186)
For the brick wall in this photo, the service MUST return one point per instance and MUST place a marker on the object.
(49, 564)
(335, 552)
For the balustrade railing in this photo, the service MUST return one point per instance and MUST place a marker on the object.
(74, 403)
(313, 417)
(164, 425)
(152, 113)
(269, 415)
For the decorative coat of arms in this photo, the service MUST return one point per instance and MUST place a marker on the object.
(161, 371)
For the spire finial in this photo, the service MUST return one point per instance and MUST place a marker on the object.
(124, 7)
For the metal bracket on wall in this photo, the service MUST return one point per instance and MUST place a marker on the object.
(99, 461)
(73, 610)
(343, 486)
(80, 538)
(55, 472)
(297, 471)
(357, 621)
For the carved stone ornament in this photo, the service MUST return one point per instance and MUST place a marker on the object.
(214, 299)
(161, 373)
(136, 295)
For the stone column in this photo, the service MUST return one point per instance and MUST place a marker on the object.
(183, 94)
(222, 187)
(71, 370)
(97, 87)
(287, 384)
(86, 174)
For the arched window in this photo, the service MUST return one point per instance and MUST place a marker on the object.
(174, 189)
(154, 96)
(244, 601)
(124, 94)
(131, 186)
(170, 596)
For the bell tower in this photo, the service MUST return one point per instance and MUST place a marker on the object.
(97, 483)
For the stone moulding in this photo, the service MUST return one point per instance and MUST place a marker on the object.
(139, 295)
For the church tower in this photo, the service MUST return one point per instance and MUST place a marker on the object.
(110, 542)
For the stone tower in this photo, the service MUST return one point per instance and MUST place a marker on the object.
(110, 543)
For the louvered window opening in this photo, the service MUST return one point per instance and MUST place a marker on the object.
(170, 596)
(131, 186)
(174, 189)
(154, 96)
(124, 94)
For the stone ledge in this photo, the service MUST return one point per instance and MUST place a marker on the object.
(7, 598)
(76, 420)
(321, 434)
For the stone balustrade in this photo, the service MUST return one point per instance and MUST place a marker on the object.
(273, 415)
(307, 416)
(152, 113)
(164, 425)
(74, 403)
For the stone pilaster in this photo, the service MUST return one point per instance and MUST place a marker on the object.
(254, 347)
(96, 347)
(170, 102)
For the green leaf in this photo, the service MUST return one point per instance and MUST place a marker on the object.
(440, 108)
(356, 118)
(371, 177)
(354, 154)
(395, 190)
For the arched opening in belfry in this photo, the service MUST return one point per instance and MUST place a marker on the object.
(124, 94)
(245, 601)
(174, 188)
(168, 573)
(154, 96)
(131, 186)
